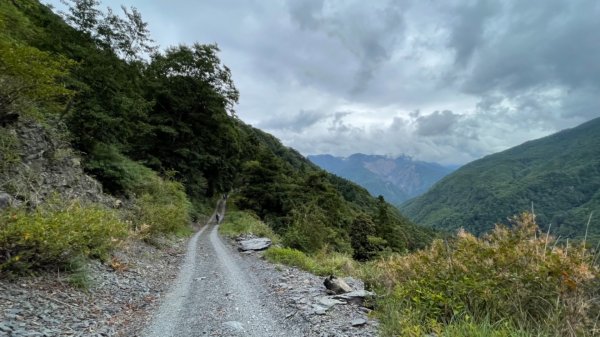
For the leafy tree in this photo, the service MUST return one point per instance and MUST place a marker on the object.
(192, 131)
(360, 230)
(84, 15)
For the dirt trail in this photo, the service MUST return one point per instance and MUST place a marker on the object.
(216, 294)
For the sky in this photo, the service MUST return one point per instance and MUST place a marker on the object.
(439, 80)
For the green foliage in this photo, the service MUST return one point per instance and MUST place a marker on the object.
(117, 173)
(361, 230)
(9, 149)
(53, 234)
(515, 276)
(241, 222)
(323, 263)
(174, 113)
(485, 329)
(559, 174)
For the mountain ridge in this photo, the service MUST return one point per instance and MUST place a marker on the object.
(396, 178)
(559, 174)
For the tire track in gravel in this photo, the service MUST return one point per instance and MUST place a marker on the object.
(216, 295)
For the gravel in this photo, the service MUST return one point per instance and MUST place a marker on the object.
(240, 294)
(213, 290)
(115, 304)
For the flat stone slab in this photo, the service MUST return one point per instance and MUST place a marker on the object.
(355, 297)
(359, 322)
(254, 244)
(328, 302)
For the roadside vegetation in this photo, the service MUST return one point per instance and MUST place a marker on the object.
(515, 281)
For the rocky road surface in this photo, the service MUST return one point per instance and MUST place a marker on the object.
(216, 291)
(221, 292)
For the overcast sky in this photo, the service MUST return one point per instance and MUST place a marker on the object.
(445, 81)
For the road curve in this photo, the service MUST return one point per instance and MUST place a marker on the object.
(215, 294)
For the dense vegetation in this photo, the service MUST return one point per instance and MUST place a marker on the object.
(511, 282)
(158, 129)
(558, 174)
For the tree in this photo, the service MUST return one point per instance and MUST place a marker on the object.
(361, 229)
(192, 131)
(84, 15)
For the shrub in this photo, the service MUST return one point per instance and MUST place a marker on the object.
(53, 234)
(162, 206)
(9, 149)
(240, 222)
(511, 275)
(323, 263)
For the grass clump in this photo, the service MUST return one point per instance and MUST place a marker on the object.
(323, 263)
(240, 222)
(9, 148)
(56, 233)
(515, 276)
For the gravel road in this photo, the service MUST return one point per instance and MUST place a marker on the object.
(217, 294)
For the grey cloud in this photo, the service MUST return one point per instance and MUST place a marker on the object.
(467, 35)
(437, 123)
(298, 122)
(447, 81)
(369, 33)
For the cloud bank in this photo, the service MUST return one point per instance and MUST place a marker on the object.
(446, 81)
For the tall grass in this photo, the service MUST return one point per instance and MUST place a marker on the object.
(515, 276)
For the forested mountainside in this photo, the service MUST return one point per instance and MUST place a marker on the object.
(397, 179)
(559, 175)
(138, 114)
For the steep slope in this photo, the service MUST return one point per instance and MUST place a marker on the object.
(397, 179)
(172, 114)
(559, 174)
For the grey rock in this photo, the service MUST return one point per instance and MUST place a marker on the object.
(328, 302)
(355, 297)
(319, 310)
(359, 322)
(336, 285)
(6, 200)
(234, 325)
(254, 244)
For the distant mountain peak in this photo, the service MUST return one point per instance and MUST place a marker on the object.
(397, 178)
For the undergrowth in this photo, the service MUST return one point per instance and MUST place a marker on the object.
(55, 233)
(240, 222)
(322, 263)
(518, 277)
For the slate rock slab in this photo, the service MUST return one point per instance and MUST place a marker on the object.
(254, 244)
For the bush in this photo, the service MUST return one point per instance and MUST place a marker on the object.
(324, 263)
(162, 206)
(511, 275)
(240, 222)
(53, 234)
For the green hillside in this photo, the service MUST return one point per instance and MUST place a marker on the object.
(133, 110)
(559, 174)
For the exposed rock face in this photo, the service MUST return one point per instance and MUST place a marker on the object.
(336, 285)
(47, 167)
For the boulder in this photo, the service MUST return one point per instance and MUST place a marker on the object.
(336, 285)
(254, 244)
